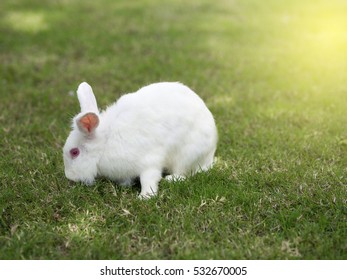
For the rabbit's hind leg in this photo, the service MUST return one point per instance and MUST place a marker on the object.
(175, 178)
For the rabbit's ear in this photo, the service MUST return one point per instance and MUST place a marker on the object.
(86, 98)
(88, 122)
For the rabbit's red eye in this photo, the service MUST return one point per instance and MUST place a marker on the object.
(74, 152)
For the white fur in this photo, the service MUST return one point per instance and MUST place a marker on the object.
(163, 126)
(86, 98)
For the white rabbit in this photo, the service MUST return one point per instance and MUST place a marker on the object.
(161, 128)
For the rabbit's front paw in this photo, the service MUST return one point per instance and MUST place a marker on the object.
(145, 196)
(149, 183)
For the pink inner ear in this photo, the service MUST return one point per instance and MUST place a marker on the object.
(89, 122)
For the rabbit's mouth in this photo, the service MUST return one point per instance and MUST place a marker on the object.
(71, 176)
(74, 179)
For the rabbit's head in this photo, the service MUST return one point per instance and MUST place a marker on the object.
(82, 148)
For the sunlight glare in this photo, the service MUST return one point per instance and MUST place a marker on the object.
(31, 22)
(325, 32)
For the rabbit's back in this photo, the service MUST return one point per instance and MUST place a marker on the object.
(161, 96)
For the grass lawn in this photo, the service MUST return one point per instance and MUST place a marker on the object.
(273, 73)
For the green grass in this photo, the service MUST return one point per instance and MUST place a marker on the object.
(274, 74)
